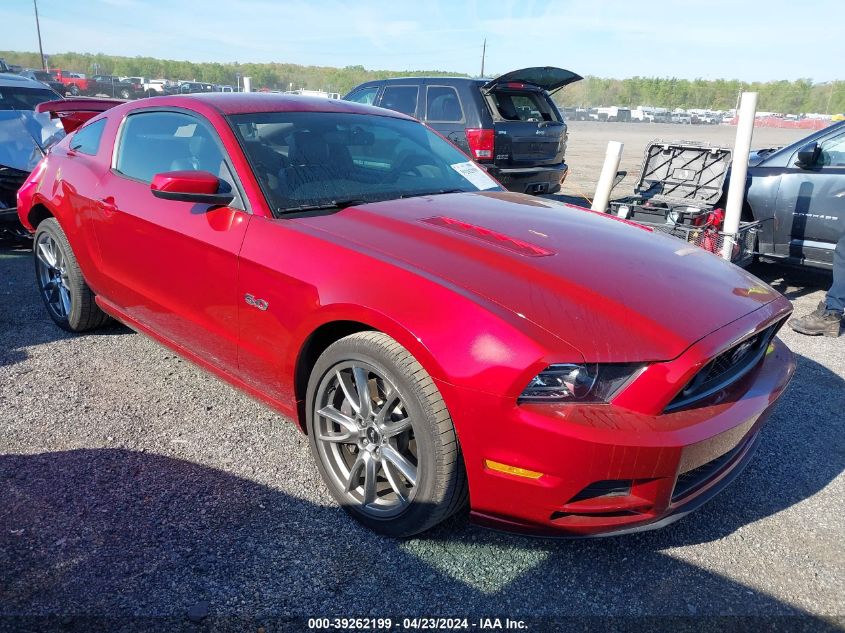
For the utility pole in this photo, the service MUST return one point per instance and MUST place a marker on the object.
(38, 28)
(483, 53)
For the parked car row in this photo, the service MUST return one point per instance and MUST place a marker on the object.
(69, 83)
(641, 115)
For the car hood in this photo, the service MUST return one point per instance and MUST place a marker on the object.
(757, 156)
(612, 289)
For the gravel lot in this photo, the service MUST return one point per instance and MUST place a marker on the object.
(133, 484)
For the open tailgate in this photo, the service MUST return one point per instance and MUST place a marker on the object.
(74, 112)
(548, 78)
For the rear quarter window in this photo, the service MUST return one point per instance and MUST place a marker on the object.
(443, 105)
(87, 139)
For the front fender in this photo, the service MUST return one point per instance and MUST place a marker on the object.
(310, 280)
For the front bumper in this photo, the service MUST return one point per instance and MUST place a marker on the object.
(659, 467)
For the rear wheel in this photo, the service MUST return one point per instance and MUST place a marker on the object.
(74, 90)
(68, 299)
(382, 436)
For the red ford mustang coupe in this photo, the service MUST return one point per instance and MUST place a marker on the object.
(442, 342)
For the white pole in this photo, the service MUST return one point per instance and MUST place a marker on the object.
(739, 170)
(608, 174)
(247, 84)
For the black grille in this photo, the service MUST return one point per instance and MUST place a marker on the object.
(727, 367)
(694, 479)
(607, 488)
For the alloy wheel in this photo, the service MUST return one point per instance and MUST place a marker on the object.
(365, 438)
(52, 275)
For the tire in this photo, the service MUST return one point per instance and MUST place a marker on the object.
(404, 416)
(68, 299)
(74, 90)
(124, 94)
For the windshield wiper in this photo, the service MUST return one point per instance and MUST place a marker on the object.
(334, 204)
(432, 193)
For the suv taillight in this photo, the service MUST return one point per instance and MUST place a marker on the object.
(480, 143)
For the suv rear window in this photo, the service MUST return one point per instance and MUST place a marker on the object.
(17, 98)
(523, 106)
(400, 98)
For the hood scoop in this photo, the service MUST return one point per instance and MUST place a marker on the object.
(501, 240)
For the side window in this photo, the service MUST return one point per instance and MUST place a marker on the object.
(155, 142)
(364, 95)
(443, 104)
(833, 152)
(400, 98)
(87, 139)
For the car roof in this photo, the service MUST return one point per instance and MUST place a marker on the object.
(414, 80)
(255, 102)
(9, 80)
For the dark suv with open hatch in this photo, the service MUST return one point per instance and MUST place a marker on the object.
(508, 125)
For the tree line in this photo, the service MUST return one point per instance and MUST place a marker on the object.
(787, 97)
(799, 96)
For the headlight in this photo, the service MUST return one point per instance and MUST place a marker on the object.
(579, 383)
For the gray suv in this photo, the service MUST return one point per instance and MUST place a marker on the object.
(508, 125)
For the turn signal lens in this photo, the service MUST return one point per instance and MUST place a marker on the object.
(579, 383)
(512, 470)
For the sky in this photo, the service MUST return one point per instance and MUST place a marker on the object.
(710, 39)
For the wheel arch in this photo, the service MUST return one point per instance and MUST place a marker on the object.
(314, 345)
(37, 214)
(341, 321)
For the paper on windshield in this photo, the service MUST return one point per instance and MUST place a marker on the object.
(475, 175)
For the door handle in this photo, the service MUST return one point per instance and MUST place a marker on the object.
(107, 205)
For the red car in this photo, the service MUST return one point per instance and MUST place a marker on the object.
(442, 342)
(75, 84)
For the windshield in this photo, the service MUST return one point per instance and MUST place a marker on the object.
(25, 136)
(326, 159)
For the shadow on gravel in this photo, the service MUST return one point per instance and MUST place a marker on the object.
(119, 533)
(792, 281)
(24, 321)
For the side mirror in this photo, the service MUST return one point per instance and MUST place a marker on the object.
(808, 155)
(200, 187)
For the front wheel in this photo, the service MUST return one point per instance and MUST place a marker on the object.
(382, 436)
(68, 299)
